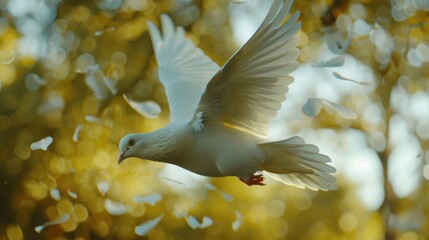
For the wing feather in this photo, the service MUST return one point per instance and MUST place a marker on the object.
(184, 70)
(248, 91)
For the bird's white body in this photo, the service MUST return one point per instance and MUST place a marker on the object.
(220, 116)
(215, 152)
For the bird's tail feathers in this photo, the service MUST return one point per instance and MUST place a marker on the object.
(295, 163)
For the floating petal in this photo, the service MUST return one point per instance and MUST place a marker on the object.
(42, 144)
(145, 227)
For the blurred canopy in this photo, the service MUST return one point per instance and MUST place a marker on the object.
(65, 66)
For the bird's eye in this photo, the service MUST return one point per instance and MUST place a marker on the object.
(131, 142)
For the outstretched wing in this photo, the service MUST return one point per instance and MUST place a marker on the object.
(248, 91)
(184, 69)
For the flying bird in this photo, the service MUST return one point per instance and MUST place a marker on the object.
(220, 115)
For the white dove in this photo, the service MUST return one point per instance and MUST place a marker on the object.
(220, 116)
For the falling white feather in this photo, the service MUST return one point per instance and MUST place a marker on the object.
(72, 194)
(337, 43)
(151, 199)
(340, 110)
(145, 227)
(102, 86)
(103, 187)
(42, 144)
(225, 195)
(76, 132)
(238, 221)
(195, 224)
(92, 119)
(334, 62)
(60, 220)
(114, 208)
(148, 109)
(313, 107)
(55, 194)
(339, 76)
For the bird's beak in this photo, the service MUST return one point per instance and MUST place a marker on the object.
(122, 156)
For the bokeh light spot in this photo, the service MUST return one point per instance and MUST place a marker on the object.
(14, 232)
(348, 222)
(275, 208)
(88, 44)
(102, 159)
(80, 212)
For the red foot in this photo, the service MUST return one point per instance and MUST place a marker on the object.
(256, 179)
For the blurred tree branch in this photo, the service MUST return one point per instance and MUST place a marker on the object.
(388, 80)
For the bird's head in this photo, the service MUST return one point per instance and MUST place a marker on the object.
(129, 146)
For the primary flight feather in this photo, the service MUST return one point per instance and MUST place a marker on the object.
(220, 115)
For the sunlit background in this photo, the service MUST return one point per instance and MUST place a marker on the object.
(76, 76)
